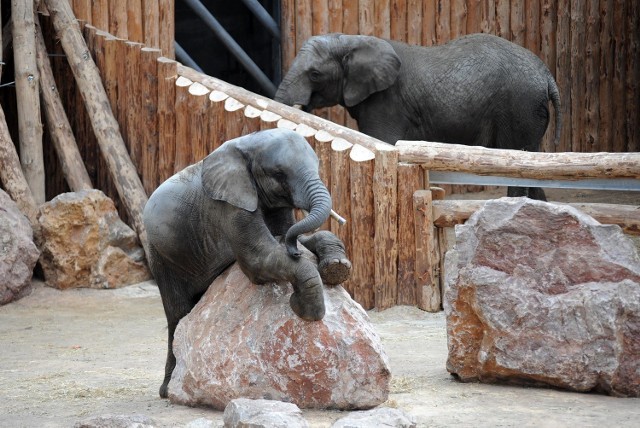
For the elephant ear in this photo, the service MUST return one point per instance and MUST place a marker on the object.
(225, 177)
(370, 65)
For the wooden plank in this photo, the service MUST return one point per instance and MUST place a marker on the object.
(366, 18)
(361, 167)
(151, 15)
(532, 19)
(167, 75)
(503, 19)
(149, 112)
(632, 103)
(198, 106)
(398, 20)
(410, 179)
(518, 23)
(183, 138)
(167, 26)
(578, 82)
(619, 69)
(548, 19)
(428, 289)
(458, 23)
(385, 198)
(118, 18)
(605, 93)
(563, 71)
(591, 104)
(135, 32)
(443, 19)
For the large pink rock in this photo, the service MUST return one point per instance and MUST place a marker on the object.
(18, 253)
(243, 340)
(543, 294)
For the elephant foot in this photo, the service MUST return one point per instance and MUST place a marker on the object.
(164, 390)
(334, 270)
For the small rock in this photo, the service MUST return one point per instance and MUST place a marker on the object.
(244, 341)
(85, 244)
(543, 294)
(380, 417)
(243, 412)
(117, 421)
(18, 253)
(203, 423)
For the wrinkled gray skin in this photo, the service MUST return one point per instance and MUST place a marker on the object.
(233, 206)
(476, 90)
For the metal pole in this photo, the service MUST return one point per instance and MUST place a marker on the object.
(233, 47)
(184, 58)
(263, 16)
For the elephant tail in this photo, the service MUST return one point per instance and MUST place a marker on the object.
(554, 94)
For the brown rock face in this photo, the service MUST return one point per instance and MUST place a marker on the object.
(18, 253)
(243, 340)
(87, 245)
(543, 294)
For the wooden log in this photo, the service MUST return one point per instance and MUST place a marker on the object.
(382, 19)
(167, 24)
(591, 120)
(398, 20)
(286, 124)
(307, 132)
(149, 112)
(443, 22)
(320, 16)
(13, 180)
(135, 30)
(503, 19)
(428, 287)
(183, 138)
(458, 18)
(322, 144)
(605, 93)
(119, 59)
(518, 23)
(104, 123)
(350, 18)
(632, 72)
(410, 179)
(100, 14)
(151, 15)
(448, 213)
(234, 118)
(82, 10)
(619, 113)
(366, 24)
(340, 187)
(385, 198)
(548, 22)
(252, 121)
(532, 24)
(198, 116)
(217, 120)
(27, 83)
(118, 18)
(488, 17)
(269, 120)
(516, 163)
(61, 135)
(304, 22)
(563, 71)
(361, 167)
(474, 16)
(425, 18)
(288, 33)
(578, 84)
(167, 75)
(133, 103)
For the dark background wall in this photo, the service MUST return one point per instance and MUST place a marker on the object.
(211, 55)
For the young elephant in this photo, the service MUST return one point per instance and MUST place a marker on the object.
(476, 90)
(233, 206)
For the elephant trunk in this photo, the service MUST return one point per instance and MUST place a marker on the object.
(319, 204)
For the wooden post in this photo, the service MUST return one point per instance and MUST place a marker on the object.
(100, 14)
(167, 24)
(340, 188)
(425, 18)
(167, 74)
(82, 10)
(548, 23)
(323, 151)
(234, 118)
(269, 120)
(443, 19)
(61, 135)
(104, 123)
(133, 104)
(197, 114)
(577, 46)
(605, 110)
(28, 98)
(252, 121)
(149, 112)
(592, 77)
(385, 198)
(619, 91)
(458, 24)
(532, 24)
(428, 297)
(518, 24)
(217, 120)
(118, 19)
(563, 70)
(410, 179)
(183, 138)
(503, 19)
(135, 25)
(362, 225)
(288, 33)
(151, 23)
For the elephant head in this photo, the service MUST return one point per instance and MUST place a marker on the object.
(338, 69)
(276, 169)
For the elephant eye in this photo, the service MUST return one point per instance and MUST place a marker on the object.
(314, 75)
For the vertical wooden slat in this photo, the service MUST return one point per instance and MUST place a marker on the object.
(118, 18)
(605, 136)
(320, 25)
(532, 20)
(337, 113)
(578, 10)
(167, 27)
(488, 17)
(234, 118)
(458, 24)
(592, 77)
(216, 120)
(198, 106)
(183, 139)
(304, 22)
(149, 100)
(340, 185)
(323, 150)
(366, 18)
(362, 226)
(409, 180)
(100, 14)
(398, 20)
(443, 20)
(133, 103)
(385, 198)
(425, 19)
(563, 70)
(167, 75)
(252, 122)
(135, 31)
(474, 16)
(429, 298)
(350, 18)
(548, 18)
(633, 77)
(503, 19)
(619, 96)
(151, 23)
(517, 20)
(122, 73)
(82, 10)
(288, 31)
(382, 19)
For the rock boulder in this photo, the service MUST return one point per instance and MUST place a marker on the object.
(243, 412)
(85, 244)
(543, 294)
(18, 253)
(243, 340)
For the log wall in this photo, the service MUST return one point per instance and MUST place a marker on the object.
(170, 116)
(590, 46)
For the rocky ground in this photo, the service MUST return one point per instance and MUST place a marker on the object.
(69, 355)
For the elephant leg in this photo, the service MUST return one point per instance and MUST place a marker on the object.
(529, 192)
(333, 265)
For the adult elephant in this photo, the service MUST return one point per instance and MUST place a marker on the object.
(475, 90)
(233, 206)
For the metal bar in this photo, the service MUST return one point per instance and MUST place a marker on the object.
(232, 46)
(184, 58)
(263, 16)
(445, 177)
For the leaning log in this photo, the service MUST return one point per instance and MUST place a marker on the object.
(61, 134)
(104, 123)
(28, 97)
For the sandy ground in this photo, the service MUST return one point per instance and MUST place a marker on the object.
(69, 355)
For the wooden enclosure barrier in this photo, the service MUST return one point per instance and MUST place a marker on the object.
(171, 116)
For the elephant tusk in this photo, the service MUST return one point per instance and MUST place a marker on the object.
(337, 217)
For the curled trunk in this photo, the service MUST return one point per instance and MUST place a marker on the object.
(319, 203)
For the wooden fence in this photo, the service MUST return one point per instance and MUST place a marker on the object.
(590, 46)
(171, 116)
